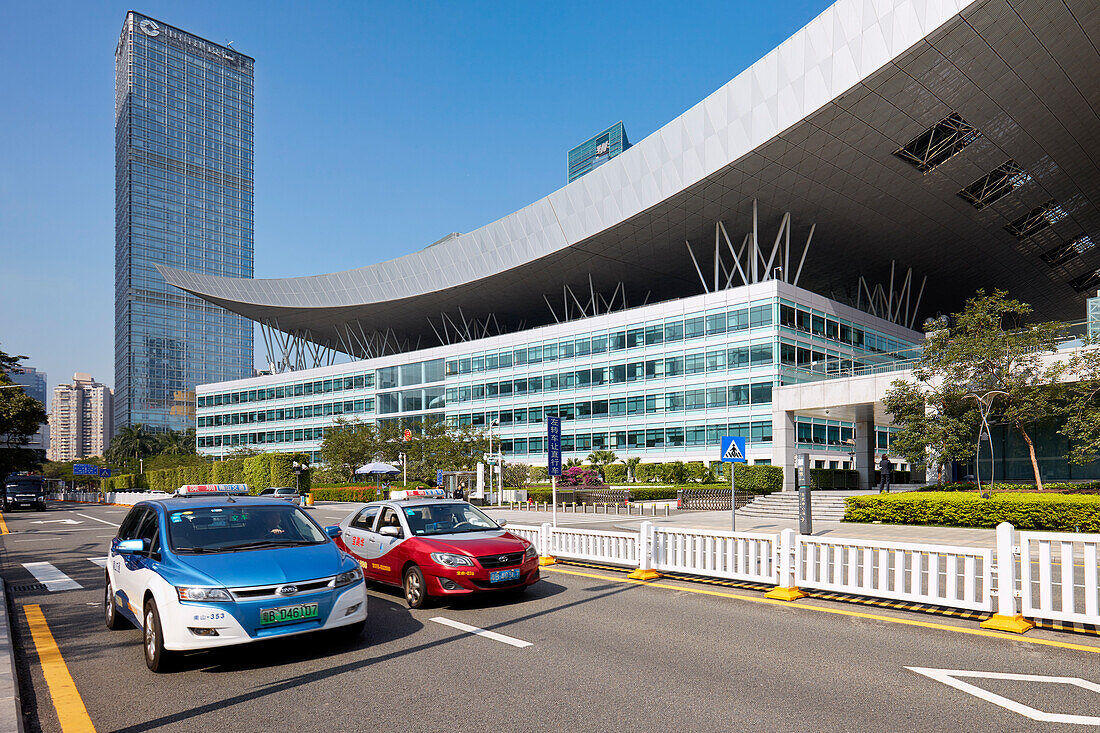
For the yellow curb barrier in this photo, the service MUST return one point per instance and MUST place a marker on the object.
(1016, 624)
(784, 594)
(647, 574)
(547, 560)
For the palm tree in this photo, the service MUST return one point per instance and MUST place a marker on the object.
(175, 442)
(133, 441)
(570, 463)
(631, 465)
(601, 459)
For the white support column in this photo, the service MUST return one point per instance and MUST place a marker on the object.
(645, 569)
(1007, 618)
(785, 584)
(805, 249)
(697, 269)
(755, 246)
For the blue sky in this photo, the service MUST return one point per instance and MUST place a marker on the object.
(380, 127)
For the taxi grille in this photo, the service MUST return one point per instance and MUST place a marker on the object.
(494, 561)
(268, 591)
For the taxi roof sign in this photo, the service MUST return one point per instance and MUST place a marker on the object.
(208, 489)
(419, 494)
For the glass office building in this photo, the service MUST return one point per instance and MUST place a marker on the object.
(662, 381)
(595, 151)
(183, 198)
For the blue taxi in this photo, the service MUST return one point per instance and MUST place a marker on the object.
(210, 567)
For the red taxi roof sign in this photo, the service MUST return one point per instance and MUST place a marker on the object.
(208, 489)
(419, 494)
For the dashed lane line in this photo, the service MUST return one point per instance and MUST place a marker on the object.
(71, 713)
(51, 577)
(100, 561)
(837, 611)
(512, 641)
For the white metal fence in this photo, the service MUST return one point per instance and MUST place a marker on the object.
(1059, 575)
(731, 555)
(957, 577)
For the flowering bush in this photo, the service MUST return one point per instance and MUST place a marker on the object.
(579, 476)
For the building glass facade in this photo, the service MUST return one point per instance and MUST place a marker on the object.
(662, 381)
(596, 151)
(184, 198)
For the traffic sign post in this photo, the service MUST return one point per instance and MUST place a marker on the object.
(553, 460)
(733, 452)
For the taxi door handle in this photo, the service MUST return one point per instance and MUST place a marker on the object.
(372, 539)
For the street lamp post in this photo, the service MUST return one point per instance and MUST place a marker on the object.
(985, 406)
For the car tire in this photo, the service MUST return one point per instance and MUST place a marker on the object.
(157, 658)
(111, 616)
(416, 590)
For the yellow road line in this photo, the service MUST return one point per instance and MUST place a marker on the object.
(838, 611)
(71, 713)
(3, 525)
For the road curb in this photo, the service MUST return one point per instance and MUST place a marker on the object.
(11, 709)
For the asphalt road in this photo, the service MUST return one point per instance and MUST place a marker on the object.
(602, 653)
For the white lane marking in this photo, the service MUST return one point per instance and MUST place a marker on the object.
(50, 576)
(57, 521)
(100, 561)
(947, 677)
(482, 632)
(89, 516)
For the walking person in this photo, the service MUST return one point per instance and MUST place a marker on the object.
(885, 471)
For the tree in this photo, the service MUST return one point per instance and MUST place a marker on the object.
(516, 475)
(987, 349)
(572, 462)
(175, 442)
(131, 441)
(631, 466)
(434, 445)
(932, 422)
(1082, 425)
(20, 417)
(601, 459)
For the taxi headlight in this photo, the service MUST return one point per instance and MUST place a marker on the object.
(349, 577)
(530, 553)
(203, 594)
(451, 560)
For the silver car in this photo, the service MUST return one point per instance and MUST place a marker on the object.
(283, 492)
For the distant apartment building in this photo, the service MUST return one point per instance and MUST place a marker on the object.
(34, 384)
(80, 419)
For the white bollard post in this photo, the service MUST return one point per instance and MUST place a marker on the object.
(645, 569)
(785, 588)
(1007, 618)
(545, 558)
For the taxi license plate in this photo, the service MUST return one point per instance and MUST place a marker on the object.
(499, 576)
(301, 612)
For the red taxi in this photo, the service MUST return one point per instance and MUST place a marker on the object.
(433, 546)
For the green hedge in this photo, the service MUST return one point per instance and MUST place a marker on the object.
(1059, 487)
(1060, 512)
(758, 479)
(259, 472)
(355, 494)
(615, 473)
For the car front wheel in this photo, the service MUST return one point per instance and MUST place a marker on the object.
(416, 591)
(110, 610)
(157, 658)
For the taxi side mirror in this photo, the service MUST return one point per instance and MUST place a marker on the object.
(333, 530)
(502, 522)
(389, 531)
(127, 547)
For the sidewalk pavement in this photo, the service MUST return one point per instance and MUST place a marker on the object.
(958, 536)
(11, 714)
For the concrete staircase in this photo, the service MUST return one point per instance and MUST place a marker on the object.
(827, 506)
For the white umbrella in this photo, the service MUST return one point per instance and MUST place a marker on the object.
(377, 467)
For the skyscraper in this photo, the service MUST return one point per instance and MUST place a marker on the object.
(183, 197)
(80, 419)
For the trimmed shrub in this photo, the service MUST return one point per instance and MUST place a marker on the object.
(758, 479)
(354, 494)
(579, 476)
(1058, 512)
(257, 472)
(615, 473)
(1086, 487)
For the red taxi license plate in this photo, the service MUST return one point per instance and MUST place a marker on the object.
(499, 576)
(301, 612)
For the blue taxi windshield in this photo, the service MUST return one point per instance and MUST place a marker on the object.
(429, 519)
(233, 528)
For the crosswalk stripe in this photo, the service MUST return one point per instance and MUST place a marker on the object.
(51, 577)
(100, 561)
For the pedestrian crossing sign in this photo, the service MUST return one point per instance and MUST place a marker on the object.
(733, 449)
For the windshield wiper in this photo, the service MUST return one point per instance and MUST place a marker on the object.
(258, 544)
(197, 550)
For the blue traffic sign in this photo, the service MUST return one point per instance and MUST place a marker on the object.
(733, 449)
(105, 473)
(439, 477)
(85, 469)
(553, 446)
